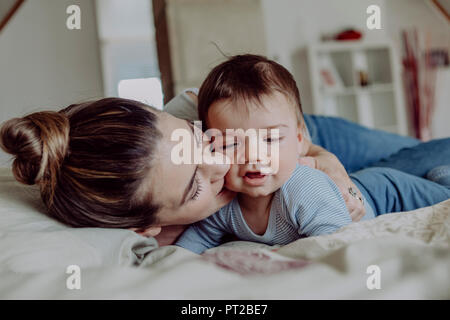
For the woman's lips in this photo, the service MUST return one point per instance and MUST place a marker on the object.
(255, 179)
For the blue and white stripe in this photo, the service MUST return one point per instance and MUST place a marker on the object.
(308, 204)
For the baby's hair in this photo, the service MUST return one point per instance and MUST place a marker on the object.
(247, 78)
(219, 49)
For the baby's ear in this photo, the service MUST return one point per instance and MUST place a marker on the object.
(301, 141)
(299, 134)
(147, 232)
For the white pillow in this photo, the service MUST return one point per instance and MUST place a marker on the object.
(30, 241)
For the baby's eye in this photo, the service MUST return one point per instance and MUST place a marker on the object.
(270, 139)
(229, 146)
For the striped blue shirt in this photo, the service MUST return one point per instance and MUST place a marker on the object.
(308, 204)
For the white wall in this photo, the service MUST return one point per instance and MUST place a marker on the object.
(197, 26)
(43, 65)
(291, 24)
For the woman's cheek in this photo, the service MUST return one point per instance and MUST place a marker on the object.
(231, 178)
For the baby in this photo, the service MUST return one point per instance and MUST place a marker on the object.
(272, 206)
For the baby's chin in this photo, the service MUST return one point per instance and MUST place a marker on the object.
(257, 193)
(254, 192)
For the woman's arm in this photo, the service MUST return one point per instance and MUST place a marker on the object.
(319, 158)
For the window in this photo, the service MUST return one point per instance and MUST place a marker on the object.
(147, 90)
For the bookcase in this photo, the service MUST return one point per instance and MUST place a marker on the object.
(358, 81)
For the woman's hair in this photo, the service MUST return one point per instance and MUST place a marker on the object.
(89, 160)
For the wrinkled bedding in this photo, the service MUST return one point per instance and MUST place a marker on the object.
(410, 251)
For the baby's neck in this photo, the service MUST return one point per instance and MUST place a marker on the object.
(256, 211)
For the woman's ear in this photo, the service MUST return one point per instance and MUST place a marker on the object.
(147, 232)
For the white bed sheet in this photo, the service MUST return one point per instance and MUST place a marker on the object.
(411, 250)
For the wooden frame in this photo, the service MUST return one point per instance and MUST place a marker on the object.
(163, 48)
(4, 20)
(441, 8)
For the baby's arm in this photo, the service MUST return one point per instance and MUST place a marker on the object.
(318, 158)
(203, 235)
(315, 203)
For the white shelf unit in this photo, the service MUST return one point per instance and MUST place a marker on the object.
(378, 104)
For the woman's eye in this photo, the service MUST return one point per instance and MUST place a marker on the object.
(198, 190)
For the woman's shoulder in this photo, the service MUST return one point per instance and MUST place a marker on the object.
(182, 106)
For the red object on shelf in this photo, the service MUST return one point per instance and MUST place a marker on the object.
(350, 34)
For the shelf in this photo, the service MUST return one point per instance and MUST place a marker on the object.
(344, 106)
(335, 46)
(374, 88)
(378, 72)
(383, 109)
(338, 68)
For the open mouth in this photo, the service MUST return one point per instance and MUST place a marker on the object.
(254, 178)
(254, 175)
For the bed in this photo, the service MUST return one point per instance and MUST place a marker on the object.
(396, 256)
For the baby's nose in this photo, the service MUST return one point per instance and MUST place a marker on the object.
(251, 150)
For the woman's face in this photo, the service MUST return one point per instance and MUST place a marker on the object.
(186, 192)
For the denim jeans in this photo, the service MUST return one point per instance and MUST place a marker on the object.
(357, 147)
(389, 190)
(393, 166)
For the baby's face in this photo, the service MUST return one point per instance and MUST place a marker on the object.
(248, 173)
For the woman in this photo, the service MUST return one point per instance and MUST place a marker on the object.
(107, 164)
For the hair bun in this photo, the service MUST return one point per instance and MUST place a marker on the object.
(39, 143)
